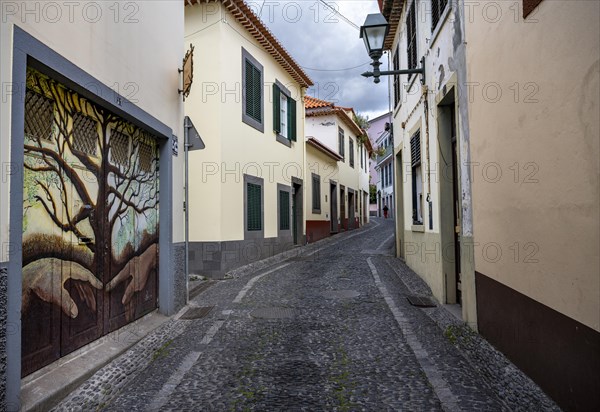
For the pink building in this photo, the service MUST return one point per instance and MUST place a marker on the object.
(377, 135)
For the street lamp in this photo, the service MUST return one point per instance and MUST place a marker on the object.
(373, 32)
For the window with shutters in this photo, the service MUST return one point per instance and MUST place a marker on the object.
(316, 193)
(284, 209)
(253, 207)
(283, 110)
(284, 114)
(362, 163)
(351, 151)
(341, 143)
(417, 184)
(253, 92)
(253, 199)
(437, 10)
(396, 64)
(411, 36)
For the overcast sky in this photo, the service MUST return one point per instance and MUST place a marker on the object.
(328, 48)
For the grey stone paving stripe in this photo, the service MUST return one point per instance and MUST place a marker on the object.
(252, 281)
(212, 332)
(385, 241)
(162, 396)
(449, 401)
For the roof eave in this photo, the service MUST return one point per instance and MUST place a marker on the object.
(252, 23)
(323, 149)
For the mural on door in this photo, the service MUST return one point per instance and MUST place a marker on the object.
(90, 222)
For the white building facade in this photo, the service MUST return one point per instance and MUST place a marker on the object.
(89, 122)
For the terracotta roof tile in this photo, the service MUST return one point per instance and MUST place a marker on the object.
(251, 22)
(314, 103)
(316, 107)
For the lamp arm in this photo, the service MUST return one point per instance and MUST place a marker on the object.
(378, 73)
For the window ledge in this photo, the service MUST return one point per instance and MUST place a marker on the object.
(440, 24)
(253, 123)
(418, 228)
(316, 211)
(283, 140)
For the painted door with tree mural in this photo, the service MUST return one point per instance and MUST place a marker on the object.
(90, 222)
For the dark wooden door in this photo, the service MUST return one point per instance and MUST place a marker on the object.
(333, 212)
(343, 221)
(351, 211)
(90, 222)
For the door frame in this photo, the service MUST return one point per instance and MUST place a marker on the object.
(399, 210)
(28, 51)
(351, 209)
(297, 211)
(333, 207)
(449, 189)
(343, 225)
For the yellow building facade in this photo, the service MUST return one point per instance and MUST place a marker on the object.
(247, 187)
(338, 164)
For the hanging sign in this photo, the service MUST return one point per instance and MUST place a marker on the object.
(188, 72)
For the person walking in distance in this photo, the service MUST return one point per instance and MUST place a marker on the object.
(385, 211)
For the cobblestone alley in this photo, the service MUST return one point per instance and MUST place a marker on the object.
(329, 328)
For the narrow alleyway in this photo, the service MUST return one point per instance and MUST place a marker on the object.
(328, 329)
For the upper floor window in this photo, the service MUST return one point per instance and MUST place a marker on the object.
(362, 162)
(341, 144)
(284, 114)
(417, 185)
(411, 36)
(437, 10)
(316, 193)
(396, 64)
(351, 151)
(252, 89)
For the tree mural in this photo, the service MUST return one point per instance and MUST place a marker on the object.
(90, 201)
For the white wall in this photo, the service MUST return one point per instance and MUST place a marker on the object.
(234, 148)
(130, 47)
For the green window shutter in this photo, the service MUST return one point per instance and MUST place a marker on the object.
(284, 210)
(316, 192)
(257, 95)
(249, 89)
(253, 89)
(253, 206)
(276, 109)
(291, 119)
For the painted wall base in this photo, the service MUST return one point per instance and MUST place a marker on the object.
(214, 259)
(317, 230)
(3, 332)
(560, 354)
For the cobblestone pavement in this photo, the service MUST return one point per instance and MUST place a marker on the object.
(328, 328)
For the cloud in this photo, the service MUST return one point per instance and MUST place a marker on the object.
(327, 46)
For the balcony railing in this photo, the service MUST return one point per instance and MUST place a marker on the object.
(387, 153)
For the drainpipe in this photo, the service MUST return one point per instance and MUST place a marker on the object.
(186, 146)
(428, 198)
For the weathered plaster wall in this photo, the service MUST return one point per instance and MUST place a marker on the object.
(534, 121)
